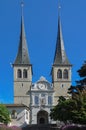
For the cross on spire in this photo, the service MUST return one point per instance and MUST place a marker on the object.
(59, 7)
(22, 5)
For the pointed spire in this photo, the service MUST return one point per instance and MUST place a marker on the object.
(22, 55)
(60, 57)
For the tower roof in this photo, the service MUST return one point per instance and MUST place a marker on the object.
(22, 55)
(60, 57)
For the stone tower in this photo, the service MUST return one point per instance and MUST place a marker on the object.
(22, 70)
(61, 69)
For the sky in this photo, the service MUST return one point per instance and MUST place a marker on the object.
(41, 22)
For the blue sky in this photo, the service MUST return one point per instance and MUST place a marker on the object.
(41, 20)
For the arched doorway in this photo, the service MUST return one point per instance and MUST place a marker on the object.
(42, 121)
(42, 117)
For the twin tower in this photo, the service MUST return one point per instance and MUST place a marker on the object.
(60, 72)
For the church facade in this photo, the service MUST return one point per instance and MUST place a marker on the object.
(41, 96)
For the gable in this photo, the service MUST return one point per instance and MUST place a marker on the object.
(42, 85)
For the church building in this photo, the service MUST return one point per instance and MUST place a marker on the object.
(36, 99)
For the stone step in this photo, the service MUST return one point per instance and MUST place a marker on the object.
(40, 127)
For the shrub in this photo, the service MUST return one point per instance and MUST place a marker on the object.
(4, 127)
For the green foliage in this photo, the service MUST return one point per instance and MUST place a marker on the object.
(63, 111)
(82, 70)
(4, 114)
(71, 109)
(81, 84)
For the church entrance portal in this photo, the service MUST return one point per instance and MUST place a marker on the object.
(42, 117)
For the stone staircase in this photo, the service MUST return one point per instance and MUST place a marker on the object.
(41, 127)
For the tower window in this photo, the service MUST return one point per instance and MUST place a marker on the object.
(24, 73)
(19, 73)
(59, 74)
(65, 74)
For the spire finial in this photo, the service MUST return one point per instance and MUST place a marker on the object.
(59, 7)
(22, 5)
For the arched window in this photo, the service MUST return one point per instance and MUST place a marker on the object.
(19, 73)
(24, 73)
(65, 74)
(59, 74)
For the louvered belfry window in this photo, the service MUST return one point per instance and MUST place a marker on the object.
(65, 74)
(59, 74)
(24, 73)
(19, 73)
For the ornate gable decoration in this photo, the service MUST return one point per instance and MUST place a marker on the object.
(42, 84)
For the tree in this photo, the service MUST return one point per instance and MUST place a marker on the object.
(63, 110)
(71, 109)
(79, 114)
(82, 70)
(4, 114)
(81, 84)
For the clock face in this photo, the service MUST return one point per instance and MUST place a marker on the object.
(41, 86)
